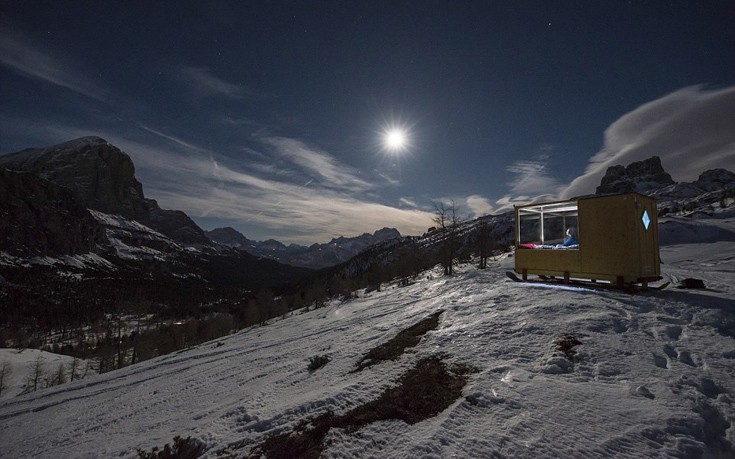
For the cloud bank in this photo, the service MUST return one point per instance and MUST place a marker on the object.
(691, 130)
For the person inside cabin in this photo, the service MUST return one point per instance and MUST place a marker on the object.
(571, 238)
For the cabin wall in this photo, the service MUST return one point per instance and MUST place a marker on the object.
(550, 262)
(608, 236)
(650, 261)
(613, 241)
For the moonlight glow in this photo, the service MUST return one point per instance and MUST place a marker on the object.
(395, 139)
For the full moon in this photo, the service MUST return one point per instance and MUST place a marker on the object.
(395, 139)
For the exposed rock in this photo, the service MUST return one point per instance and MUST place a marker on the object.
(642, 177)
(174, 224)
(714, 190)
(715, 179)
(40, 218)
(102, 177)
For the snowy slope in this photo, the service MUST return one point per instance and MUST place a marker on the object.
(22, 362)
(654, 375)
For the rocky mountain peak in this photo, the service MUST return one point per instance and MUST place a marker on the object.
(715, 179)
(228, 236)
(102, 177)
(316, 256)
(386, 233)
(641, 176)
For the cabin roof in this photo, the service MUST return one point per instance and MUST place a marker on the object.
(569, 204)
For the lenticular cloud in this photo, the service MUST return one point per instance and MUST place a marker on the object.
(690, 130)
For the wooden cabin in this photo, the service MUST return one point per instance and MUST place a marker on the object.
(617, 239)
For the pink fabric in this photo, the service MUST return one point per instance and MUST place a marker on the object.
(526, 246)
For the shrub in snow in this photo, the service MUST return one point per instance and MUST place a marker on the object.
(318, 361)
(183, 448)
(5, 371)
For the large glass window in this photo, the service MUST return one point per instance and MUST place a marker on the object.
(547, 224)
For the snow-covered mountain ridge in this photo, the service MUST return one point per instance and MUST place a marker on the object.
(713, 190)
(651, 375)
(316, 256)
(46, 191)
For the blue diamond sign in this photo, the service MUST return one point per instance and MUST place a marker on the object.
(646, 220)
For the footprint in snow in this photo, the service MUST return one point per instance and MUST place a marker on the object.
(660, 361)
(685, 357)
(682, 356)
(644, 392)
(673, 332)
(670, 351)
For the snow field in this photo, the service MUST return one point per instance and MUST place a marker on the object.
(653, 376)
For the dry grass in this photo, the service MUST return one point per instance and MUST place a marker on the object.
(425, 391)
(394, 348)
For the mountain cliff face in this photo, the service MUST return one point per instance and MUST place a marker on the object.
(641, 177)
(77, 209)
(99, 175)
(40, 218)
(711, 190)
(102, 177)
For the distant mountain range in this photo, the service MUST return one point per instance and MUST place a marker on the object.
(336, 251)
(80, 242)
(79, 205)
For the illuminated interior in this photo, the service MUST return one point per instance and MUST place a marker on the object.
(546, 224)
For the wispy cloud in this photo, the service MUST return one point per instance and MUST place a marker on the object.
(181, 175)
(200, 82)
(173, 139)
(319, 164)
(691, 130)
(532, 181)
(408, 202)
(20, 55)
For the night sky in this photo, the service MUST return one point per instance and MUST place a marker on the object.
(270, 116)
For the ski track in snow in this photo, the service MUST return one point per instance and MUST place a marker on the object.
(653, 377)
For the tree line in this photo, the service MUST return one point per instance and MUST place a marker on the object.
(90, 319)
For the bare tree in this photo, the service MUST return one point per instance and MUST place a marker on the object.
(266, 304)
(5, 372)
(73, 367)
(252, 313)
(34, 378)
(447, 220)
(487, 243)
(58, 377)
